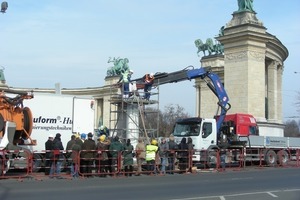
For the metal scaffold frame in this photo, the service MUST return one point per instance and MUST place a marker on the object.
(128, 116)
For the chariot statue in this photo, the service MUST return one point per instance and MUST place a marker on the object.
(120, 64)
(209, 46)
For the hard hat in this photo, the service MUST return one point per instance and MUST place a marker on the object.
(51, 136)
(154, 142)
(83, 136)
(131, 71)
(102, 128)
(102, 138)
(151, 74)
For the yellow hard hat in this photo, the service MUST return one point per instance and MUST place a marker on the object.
(154, 142)
(102, 138)
(77, 135)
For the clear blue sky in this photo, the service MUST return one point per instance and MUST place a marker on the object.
(44, 42)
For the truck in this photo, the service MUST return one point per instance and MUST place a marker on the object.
(42, 115)
(236, 132)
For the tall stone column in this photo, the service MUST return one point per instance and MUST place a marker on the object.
(244, 43)
(279, 94)
(272, 92)
(253, 71)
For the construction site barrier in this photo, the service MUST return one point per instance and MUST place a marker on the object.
(15, 164)
(230, 159)
(70, 164)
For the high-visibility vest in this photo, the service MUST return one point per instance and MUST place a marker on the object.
(125, 76)
(151, 152)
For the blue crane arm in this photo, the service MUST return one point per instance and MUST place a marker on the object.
(216, 87)
(189, 73)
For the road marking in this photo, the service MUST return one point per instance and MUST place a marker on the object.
(271, 194)
(291, 190)
(241, 194)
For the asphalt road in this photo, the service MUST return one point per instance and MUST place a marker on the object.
(260, 184)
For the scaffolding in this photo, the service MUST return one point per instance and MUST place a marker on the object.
(134, 117)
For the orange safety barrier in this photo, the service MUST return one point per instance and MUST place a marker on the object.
(55, 162)
(298, 157)
(229, 158)
(15, 164)
(93, 163)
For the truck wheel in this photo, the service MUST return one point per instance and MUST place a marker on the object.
(282, 157)
(271, 158)
(212, 159)
(36, 162)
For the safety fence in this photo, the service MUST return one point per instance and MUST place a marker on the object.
(102, 163)
(19, 161)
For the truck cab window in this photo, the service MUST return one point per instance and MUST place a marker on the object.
(206, 129)
(253, 130)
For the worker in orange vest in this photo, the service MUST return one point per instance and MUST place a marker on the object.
(148, 80)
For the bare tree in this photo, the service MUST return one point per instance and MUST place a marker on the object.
(298, 103)
(291, 129)
(169, 116)
(164, 120)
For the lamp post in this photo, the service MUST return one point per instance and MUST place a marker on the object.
(4, 6)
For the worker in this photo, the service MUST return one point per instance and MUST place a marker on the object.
(103, 130)
(163, 153)
(82, 136)
(69, 150)
(148, 81)
(48, 154)
(115, 149)
(76, 148)
(78, 139)
(183, 153)
(102, 147)
(140, 155)
(58, 156)
(223, 144)
(88, 155)
(128, 158)
(151, 150)
(173, 147)
(125, 79)
(191, 152)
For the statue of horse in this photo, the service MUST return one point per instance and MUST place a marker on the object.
(120, 64)
(210, 46)
(201, 46)
(218, 48)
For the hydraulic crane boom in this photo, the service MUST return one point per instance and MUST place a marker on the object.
(214, 83)
(217, 88)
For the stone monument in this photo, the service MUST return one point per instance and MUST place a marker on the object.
(253, 66)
